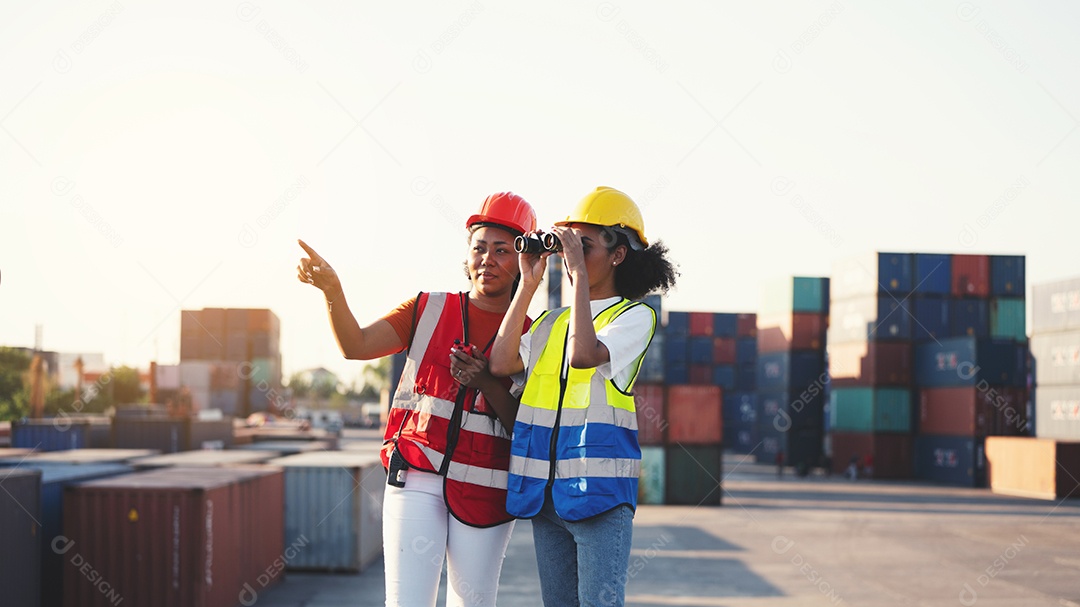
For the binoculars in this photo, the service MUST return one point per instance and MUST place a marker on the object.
(535, 245)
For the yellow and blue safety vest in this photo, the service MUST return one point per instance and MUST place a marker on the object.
(576, 432)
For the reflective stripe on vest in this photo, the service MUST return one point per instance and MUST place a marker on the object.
(424, 407)
(593, 423)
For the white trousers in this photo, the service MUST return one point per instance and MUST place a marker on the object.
(419, 531)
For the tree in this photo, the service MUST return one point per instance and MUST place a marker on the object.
(376, 378)
(125, 386)
(14, 393)
(300, 384)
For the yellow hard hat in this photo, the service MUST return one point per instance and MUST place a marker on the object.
(606, 206)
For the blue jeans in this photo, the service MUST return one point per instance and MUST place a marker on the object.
(583, 564)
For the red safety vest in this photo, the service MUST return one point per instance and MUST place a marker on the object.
(446, 428)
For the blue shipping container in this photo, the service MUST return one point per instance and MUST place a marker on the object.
(746, 376)
(953, 460)
(677, 348)
(1007, 275)
(931, 317)
(740, 437)
(676, 372)
(50, 435)
(792, 370)
(894, 272)
(870, 318)
(967, 361)
(746, 349)
(788, 410)
(933, 274)
(701, 350)
(678, 324)
(969, 318)
(724, 324)
(724, 376)
(739, 407)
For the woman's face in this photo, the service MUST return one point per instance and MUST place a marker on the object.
(492, 261)
(599, 260)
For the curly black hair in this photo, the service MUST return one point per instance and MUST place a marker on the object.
(645, 271)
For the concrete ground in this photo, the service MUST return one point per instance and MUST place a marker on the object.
(805, 542)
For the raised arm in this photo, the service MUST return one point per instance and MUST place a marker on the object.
(506, 351)
(373, 341)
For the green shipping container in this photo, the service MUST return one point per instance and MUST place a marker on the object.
(651, 481)
(797, 294)
(870, 410)
(693, 474)
(1007, 318)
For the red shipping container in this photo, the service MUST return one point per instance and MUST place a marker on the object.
(651, 413)
(695, 415)
(183, 537)
(746, 325)
(972, 411)
(794, 331)
(262, 320)
(701, 323)
(870, 364)
(723, 350)
(701, 375)
(891, 455)
(971, 275)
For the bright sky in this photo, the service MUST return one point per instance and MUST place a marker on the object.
(163, 157)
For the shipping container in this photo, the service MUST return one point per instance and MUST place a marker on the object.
(1008, 318)
(871, 274)
(1058, 358)
(930, 317)
(54, 478)
(692, 475)
(790, 370)
(796, 294)
(973, 412)
(1057, 412)
(701, 375)
(701, 350)
(786, 410)
(292, 447)
(725, 324)
(1055, 306)
(891, 456)
(651, 479)
(20, 557)
(740, 407)
(263, 320)
(969, 318)
(746, 325)
(1007, 276)
(676, 372)
(84, 457)
(952, 460)
(183, 537)
(676, 348)
(724, 376)
(168, 376)
(170, 435)
(741, 437)
(59, 434)
(724, 350)
(968, 361)
(333, 504)
(694, 414)
(933, 273)
(971, 275)
(746, 349)
(870, 364)
(227, 401)
(792, 331)
(205, 458)
(873, 318)
(651, 413)
(1033, 467)
(870, 409)
(678, 324)
(701, 324)
(195, 374)
(746, 376)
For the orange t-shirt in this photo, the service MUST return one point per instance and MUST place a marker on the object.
(483, 325)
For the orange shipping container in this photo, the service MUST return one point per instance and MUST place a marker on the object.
(1033, 467)
(651, 418)
(695, 415)
(794, 331)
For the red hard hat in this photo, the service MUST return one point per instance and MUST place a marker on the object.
(508, 210)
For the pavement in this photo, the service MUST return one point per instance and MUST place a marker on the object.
(780, 542)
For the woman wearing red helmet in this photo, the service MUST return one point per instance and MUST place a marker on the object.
(447, 439)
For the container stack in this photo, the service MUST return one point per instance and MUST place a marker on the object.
(970, 373)
(870, 354)
(20, 559)
(1055, 346)
(230, 359)
(740, 401)
(791, 377)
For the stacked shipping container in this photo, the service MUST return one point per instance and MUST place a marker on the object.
(1055, 346)
(928, 348)
(870, 337)
(791, 377)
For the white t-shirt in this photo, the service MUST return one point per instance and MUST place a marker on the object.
(626, 338)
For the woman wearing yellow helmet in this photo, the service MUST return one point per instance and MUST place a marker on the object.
(574, 458)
